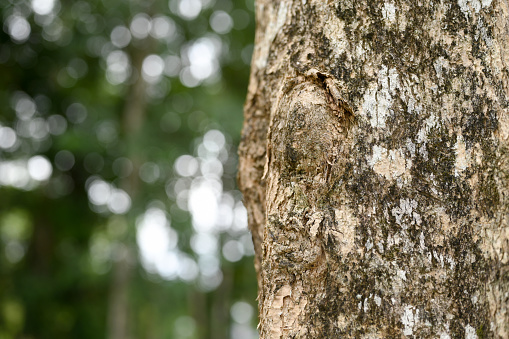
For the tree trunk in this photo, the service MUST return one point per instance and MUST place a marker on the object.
(133, 118)
(374, 166)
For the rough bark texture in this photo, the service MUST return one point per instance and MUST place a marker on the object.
(374, 165)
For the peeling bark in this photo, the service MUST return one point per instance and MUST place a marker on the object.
(374, 165)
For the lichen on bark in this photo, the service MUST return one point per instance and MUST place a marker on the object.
(374, 165)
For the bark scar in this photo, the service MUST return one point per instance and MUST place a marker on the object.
(338, 105)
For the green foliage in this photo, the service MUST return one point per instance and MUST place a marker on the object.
(118, 128)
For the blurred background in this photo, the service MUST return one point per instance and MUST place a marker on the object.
(119, 212)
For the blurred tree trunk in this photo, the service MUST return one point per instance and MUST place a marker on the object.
(118, 307)
(133, 117)
(374, 166)
(219, 310)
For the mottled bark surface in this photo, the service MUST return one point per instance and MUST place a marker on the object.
(374, 165)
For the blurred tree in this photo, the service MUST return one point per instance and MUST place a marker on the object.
(119, 213)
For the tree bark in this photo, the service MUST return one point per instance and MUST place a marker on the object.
(374, 165)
